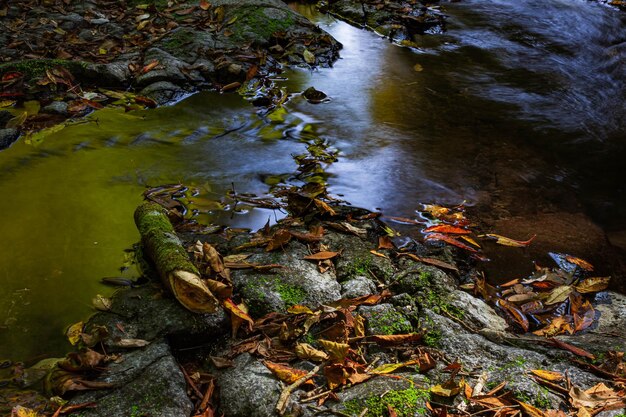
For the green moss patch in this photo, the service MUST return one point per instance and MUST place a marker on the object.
(406, 403)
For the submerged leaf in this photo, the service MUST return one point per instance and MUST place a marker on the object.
(507, 241)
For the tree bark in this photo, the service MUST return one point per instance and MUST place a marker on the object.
(175, 269)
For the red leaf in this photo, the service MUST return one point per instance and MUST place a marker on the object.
(452, 241)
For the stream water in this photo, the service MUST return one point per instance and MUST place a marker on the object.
(518, 108)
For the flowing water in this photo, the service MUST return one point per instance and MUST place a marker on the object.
(518, 108)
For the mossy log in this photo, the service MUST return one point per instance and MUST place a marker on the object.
(177, 272)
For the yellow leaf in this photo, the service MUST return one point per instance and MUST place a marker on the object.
(418, 68)
(73, 332)
(6, 103)
(530, 411)
(102, 51)
(594, 284)
(309, 58)
(446, 390)
(507, 241)
(559, 294)
(299, 309)
(18, 120)
(19, 411)
(306, 351)
(548, 375)
(391, 367)
(338, 351)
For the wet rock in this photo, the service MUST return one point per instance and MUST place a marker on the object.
(385, 319)
(476, 311)
(56, 107)
(147, 313)
(5, 116)
(298, 282)
(357, 286)
(7, 137)
(313, 95)
(163, 92)
(147, 382)
(504, 362)
(99, 21)
(248, 389)
(112, 75)
(416, 276)
(169, 68)
(356, 258)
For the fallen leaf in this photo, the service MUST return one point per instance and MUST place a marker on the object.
(514, 311)
(337, 351)
(308, 352)
(384, 242)
(18, 120)
(237, 313)
(530, 411)
(320, 256)
(506, 241)
(150, 66)
(580, 262)
(392, 367)
(221, 363)
(557, 326)
(279, 239)
(418, 68)
(450, 240)
(309, 58)
(205, 5)
(444, 228)
(101, 303)
(286, 373)
(74, 331)
(559, 294)
(395, 339)
(449, 389)
(594, 284)
(19, 411)
(131, 343)
(575, 350)
(548, 375)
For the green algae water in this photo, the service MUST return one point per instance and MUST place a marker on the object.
(496, 112)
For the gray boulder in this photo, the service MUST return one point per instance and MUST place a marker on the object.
(7, 137)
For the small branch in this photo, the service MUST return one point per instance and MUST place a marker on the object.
(191, 383)
(284, 396)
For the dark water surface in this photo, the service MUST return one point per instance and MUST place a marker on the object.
(518, 109)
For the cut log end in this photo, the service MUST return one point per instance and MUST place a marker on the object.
(192, 292)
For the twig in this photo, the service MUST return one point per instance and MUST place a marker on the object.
(284, 396)
(315, 397)
(207, 395)
(191, 383)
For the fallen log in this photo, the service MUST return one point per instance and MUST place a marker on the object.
(175, 269)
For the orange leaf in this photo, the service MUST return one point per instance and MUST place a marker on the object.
(558, 326)
(320, 256)
(444, 228)
(280, 238)
(237, 315)
(205, 5)
(395, 339)
(392, 412)
(286, 373)
(580, 262)
(384, 242)
(150, 66)
(517, 314)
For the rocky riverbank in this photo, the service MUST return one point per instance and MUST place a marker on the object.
(64, 59)
(388, 325)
